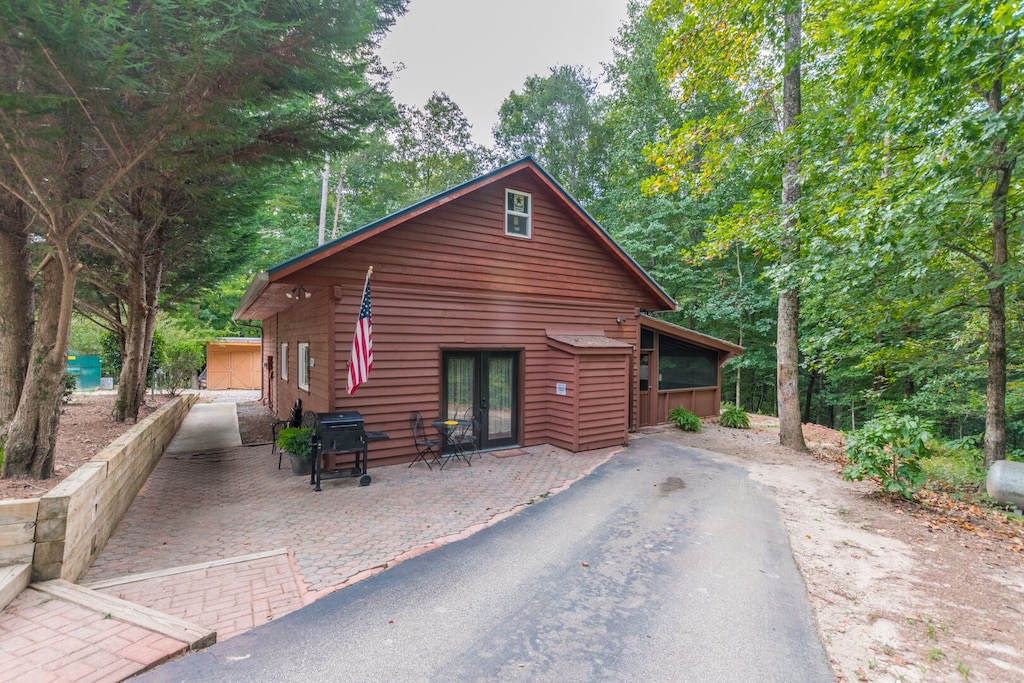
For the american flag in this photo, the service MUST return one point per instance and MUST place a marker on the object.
(361, 360)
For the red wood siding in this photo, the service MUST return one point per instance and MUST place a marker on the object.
(270, 369)
(703, 402)
(603, 402)
(306, 321)
(462, 246)
(412, 329)
(561, 428)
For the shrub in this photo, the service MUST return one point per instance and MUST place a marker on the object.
(178, 366)
(70, 384)
(735, 417)
(957, 464)
(684, 419)
(296, 440)
(889, 448)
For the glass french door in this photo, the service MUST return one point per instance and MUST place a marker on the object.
(486, 380)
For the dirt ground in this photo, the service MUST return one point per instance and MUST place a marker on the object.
(901, 591)
(85, 429)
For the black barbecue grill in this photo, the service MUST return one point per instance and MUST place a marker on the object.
(334, 435)
(340, 447)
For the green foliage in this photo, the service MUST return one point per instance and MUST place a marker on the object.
(86, 337)
(111, 359)
(558, 120)
(684, 419)
(960, 470)
(735, 417)
(110, 354)
(434, 148)
(296, 440)
(70, 384)
(176, 359)
(890, 448)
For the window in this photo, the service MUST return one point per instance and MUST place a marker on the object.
(683, 366)
(304, 365)
(284, 361)
(517, 213)
(646, 339)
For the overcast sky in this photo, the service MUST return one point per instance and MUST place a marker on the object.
(477, 51)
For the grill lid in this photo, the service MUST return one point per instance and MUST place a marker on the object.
(346, 419)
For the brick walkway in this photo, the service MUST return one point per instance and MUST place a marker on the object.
(43, 639)
(227, 541)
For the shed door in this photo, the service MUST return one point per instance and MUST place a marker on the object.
(486, 380)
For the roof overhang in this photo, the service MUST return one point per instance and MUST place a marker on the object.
(236, 341)
(581, 344)
(725, 349)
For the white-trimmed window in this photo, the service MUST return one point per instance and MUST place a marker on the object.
(518, 206)
(304, 366)
(284, 361)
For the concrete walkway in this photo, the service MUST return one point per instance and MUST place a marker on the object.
(219, 537)
(208, 427)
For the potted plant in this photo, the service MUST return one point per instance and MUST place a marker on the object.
(297, 442)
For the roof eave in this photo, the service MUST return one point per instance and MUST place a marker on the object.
(259, 284)
(727, 347)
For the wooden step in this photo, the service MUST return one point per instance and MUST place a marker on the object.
(195, 636)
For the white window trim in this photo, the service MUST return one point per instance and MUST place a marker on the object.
(283, 372)
(528, 215)
(303, 368)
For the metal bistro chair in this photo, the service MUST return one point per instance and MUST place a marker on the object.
(425, 446)
(468, 434)
(294, 420)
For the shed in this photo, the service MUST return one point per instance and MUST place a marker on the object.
(500, 294)
(233, 363)
(86, 370)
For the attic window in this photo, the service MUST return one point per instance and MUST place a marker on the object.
(517, 213)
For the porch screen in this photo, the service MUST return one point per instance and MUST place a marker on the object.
(683, 366)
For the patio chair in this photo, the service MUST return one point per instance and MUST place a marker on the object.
(425, 446)
(294, 420)
(468, 435)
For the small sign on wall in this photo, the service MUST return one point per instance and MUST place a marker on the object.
(560, 388)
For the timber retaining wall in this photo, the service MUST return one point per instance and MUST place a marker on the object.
(75, 519)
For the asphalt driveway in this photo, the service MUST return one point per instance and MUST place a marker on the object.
(662, 565)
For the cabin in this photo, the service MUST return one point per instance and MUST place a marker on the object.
(501, 294)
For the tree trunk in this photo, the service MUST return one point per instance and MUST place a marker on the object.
(809, 399)
(153, 283)
(739, 309)
(790, 429)
(131, 383)
(788, 338)
(995, 391)
(144, 266)
(15, 308)
(33, 433)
